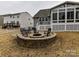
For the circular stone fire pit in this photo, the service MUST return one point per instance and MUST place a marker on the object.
(36, 35)
(35, 39)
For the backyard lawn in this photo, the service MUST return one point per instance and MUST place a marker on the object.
(66, 44)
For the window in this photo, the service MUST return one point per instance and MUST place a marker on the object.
(42, 19)
(46, 19)
(77, 14)
(13, 17)
(18, 16)
(70, 15)
(77, 20)
(39, 19)
(61, 15)
(54, 16)
(18, 23)
(10, 16)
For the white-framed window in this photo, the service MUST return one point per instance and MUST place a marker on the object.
(62, 16)
(39, 19)
(42, 19)
(46, 19)
(10, 16)
(13, 16)
(77, 15)
(54, 17)
(17, 16)
(70, 15)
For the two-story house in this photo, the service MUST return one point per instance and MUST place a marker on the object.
(42, 19)
(24, 19)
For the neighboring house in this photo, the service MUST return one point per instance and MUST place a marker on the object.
(24, 19)
(42, 19)
(63, 17)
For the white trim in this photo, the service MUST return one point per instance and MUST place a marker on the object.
(74, 15)
(51, 20)
(65, 17)
(57, 15)
(67, 7)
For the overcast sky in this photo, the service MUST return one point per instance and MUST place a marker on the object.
(32, 7)
(7, 7)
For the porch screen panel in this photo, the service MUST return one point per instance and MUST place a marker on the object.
(54, 16)
(70, 15)
(62, 16)
(77, 15)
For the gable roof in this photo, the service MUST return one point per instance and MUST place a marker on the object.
(66, 2)
(14, 14)
(11, 14)
(46, 12)
(43, 13)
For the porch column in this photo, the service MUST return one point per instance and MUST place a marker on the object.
(74, 14)
(51, 21)
(65, 17)
(57, 15)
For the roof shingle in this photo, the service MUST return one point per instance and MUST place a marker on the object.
(43, 13)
